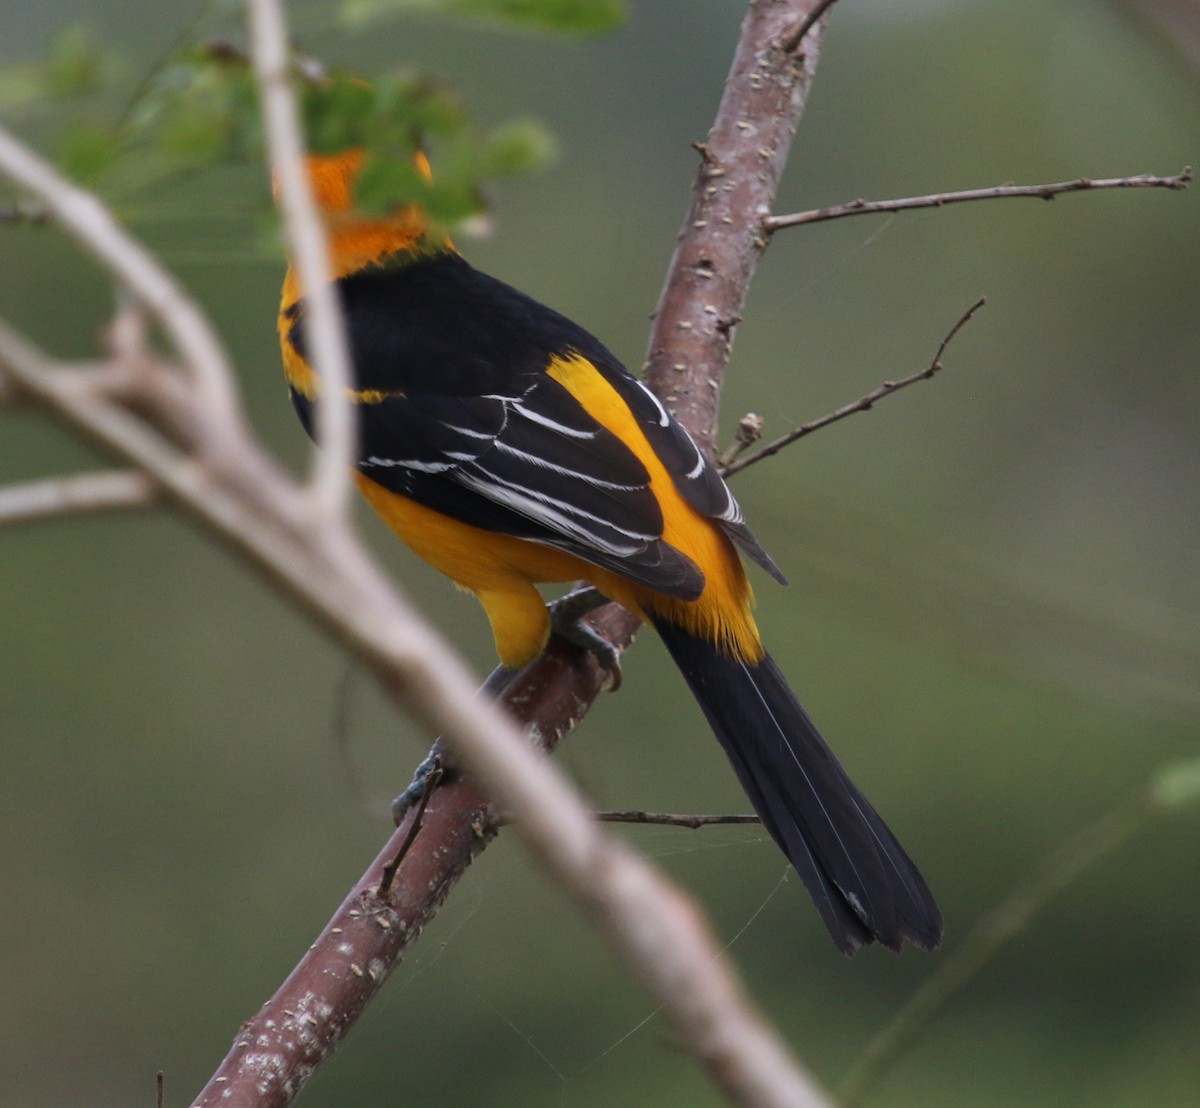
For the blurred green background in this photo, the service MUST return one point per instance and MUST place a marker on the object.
(993, 609)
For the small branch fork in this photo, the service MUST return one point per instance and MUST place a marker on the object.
(1180, 180)
(862, 404)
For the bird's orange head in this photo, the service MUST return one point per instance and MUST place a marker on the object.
(357, 239)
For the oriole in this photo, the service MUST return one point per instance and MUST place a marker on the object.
(506, 446)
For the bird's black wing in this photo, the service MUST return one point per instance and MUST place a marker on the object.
(456, 412)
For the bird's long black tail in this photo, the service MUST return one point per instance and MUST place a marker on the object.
(864, 884)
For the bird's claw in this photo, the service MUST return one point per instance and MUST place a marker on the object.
(435, 762)
(566, 618)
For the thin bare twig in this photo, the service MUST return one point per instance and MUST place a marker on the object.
(326, 331)
(1180, 180)
(82, 492)
(791, 42)
(862, 404)
(674, 819)
(749, 431)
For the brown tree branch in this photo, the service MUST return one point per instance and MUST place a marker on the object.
(339, 974)
(167, 428)
(653, 926)
(718, 248)
(775, 223)
(862, 404)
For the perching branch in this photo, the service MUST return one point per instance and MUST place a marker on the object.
(718, 248)
(166, 424)
(1180, 180)
(743, 1057)
(862, 404)
(675, 957)
(347, 964)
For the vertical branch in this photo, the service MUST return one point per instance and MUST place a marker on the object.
(334, 448)
(717, 250)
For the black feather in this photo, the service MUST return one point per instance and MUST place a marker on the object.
(864, 885)
(470, 424)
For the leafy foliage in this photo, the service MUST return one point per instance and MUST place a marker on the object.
(400, 116)
(197, 109)
(559, 16)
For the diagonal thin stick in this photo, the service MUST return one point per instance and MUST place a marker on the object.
(791, 43)
(997, 192)
(334, 448)
(862, 404)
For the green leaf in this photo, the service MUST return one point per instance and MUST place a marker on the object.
(86, 151)
(74, 64)
(518, 147)
(200, 109)
(198, 135)
(336, 113)
(451, 202)
(385, 184)
(557, 16)
(562, 16)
